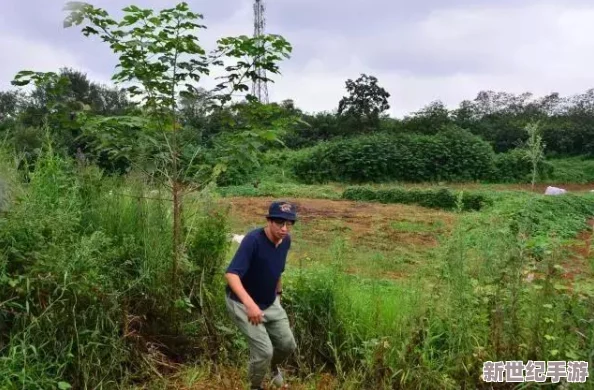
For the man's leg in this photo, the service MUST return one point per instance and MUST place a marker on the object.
(281, 336)
(261, 350)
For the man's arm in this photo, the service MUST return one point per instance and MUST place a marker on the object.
(235, 284)
(279, 285)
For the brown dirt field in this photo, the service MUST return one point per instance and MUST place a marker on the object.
(364, 224)
(575, 259)
(576, 263)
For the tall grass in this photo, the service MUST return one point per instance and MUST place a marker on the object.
(494, 292)
(85, 280)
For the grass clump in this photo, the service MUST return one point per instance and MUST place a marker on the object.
(495, 290)
(85, 281)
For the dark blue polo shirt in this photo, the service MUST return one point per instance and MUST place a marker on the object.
(259, 264)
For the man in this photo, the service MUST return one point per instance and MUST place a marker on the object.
(253, 294)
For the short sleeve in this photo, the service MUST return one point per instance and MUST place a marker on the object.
(241, 261)
(288, 247)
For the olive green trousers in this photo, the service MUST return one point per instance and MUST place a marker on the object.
(271, 342)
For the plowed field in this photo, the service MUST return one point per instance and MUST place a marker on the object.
(392, 237)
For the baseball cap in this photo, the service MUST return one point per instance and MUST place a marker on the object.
(282, 209)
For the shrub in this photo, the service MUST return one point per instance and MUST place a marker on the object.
(435, 198)
(453, 155)
(572, 170)
(467, 157)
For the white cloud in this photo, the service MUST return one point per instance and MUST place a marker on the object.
(453, 54)
(23, 54)
(448, 54)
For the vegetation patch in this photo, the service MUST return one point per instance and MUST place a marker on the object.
(451, 155)
(433, 198)
(112, 250)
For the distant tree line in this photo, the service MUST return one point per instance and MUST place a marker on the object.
(498, 119)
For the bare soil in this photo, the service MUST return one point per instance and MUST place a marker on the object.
(365, 224)
(576, 263)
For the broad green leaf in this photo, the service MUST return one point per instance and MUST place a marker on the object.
(74, 6)
(131, 8)
(20, 83)
(269, 135)
(130, 19)
(572, 355)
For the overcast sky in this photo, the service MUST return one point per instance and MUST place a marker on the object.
(421, 51)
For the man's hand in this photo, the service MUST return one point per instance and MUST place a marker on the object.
(254, 314)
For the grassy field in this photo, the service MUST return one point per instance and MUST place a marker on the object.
(424, 295)
(378, 249)
(380, 295)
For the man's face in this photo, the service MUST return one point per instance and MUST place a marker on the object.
(279, 228)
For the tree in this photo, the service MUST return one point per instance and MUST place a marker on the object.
(429, 120)
(100, 99)
(366, 101)
(161, 61)
(10, 104)
(534, 149)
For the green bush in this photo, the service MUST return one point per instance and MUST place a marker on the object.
(452, 155)
(439, 198)
(572, 170)
(561, 216)
(514, 167)
(313, 307)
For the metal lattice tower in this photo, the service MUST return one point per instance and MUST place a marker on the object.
(259, 87)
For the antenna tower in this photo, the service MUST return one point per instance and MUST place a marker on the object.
(259, 87)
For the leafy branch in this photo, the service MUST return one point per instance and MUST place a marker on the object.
(160, 62)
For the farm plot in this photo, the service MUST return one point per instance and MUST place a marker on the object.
(391, 239)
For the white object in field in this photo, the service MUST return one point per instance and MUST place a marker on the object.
(238, 238)
(554, 191)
